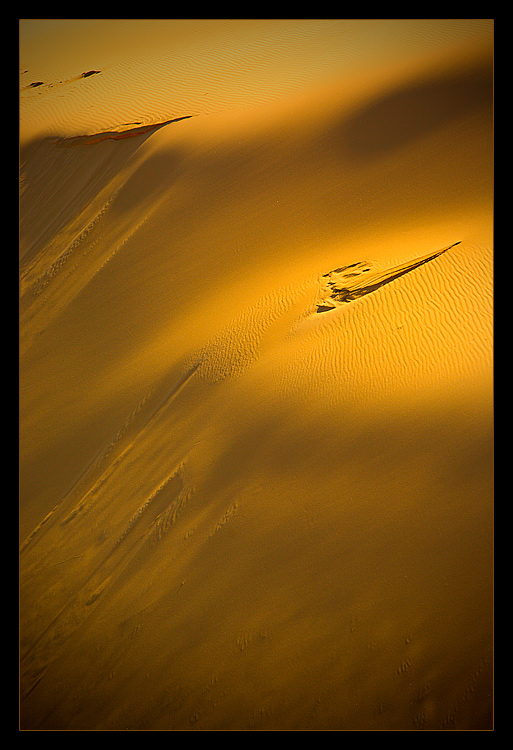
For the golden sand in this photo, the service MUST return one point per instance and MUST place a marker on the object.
(256, 414)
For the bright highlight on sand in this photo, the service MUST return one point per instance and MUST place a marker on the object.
(256, 370)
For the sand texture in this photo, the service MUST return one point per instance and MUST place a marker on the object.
(256, 384)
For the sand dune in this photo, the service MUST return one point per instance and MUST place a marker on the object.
(256, 405)
(153, 71)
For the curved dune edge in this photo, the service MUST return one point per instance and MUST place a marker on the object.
(116, 135)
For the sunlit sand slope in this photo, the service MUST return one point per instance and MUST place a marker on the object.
(256, 412)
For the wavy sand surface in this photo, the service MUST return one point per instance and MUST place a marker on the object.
(256, 418)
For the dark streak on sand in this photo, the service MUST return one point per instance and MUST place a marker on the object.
(356, 290)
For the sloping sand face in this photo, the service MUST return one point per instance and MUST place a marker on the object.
(256, 411)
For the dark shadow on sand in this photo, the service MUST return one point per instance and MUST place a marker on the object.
(411, 112)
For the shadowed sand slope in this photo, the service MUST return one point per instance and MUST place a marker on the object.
(256, 418)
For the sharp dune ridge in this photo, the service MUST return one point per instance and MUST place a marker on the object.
(256, 494)
(117, 134)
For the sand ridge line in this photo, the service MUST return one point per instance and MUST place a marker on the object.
(117, 135)
(358, 286)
